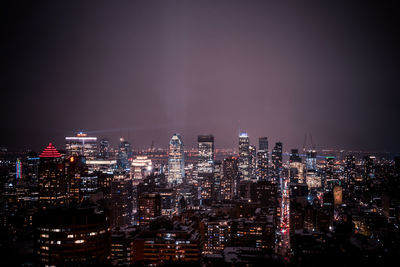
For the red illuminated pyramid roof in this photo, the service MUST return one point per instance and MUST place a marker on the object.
(50, 152)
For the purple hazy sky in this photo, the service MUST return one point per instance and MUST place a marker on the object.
(148, 69)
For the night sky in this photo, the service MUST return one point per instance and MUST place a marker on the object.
(148, 69)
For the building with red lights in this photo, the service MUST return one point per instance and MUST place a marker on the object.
(52, 180)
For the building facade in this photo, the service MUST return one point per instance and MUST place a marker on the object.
(176, 160)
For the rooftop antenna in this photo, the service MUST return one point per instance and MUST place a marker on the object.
(312, 143)
(305, 143)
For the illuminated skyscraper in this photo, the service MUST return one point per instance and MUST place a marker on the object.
(230, 178)
(121, 197)
(205, 163)
(75, 170)
(253, 161)
(262, 158)
(81, 145)
(176, 161)
(311, 160)
(141, 167)
(296, 167)
(276, 159)
(124, 154)
(218, 174)
(52, 181)
(244, 157)
(313, 179)
(18, 169)
(369, 166)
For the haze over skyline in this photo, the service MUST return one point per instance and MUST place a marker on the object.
(148, 69)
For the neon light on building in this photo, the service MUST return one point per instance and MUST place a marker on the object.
(18, 169)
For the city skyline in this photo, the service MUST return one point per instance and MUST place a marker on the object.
(268, 68)
(199, 133)
(254, 142)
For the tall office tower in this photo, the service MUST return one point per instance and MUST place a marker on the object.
(176, 160)
(124, 154)
(311, 160)
(121, 199)
(230, 178)
(253, 162)
(74, 236)
(205, 162)
(149, 207)
(244, 157)
(31, 168)
(81, 145)
(75, 170)
(218, 174)
(369, 166)
(296, 167)
(262, 165)
(262, 159)
(313, 180)
(52, 182)
(276, 159)
(104, 149)
(141, 167)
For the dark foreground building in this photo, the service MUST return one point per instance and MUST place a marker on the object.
(72, 236)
